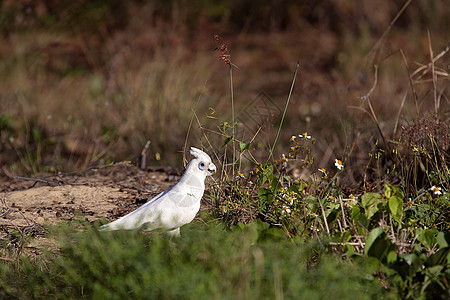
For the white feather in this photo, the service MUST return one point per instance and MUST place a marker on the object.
(174, 207)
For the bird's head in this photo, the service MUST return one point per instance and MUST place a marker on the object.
(203, 162)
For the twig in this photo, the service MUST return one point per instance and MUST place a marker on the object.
(372, 112)
(434, 76)
(143, 158)
(36, 180)
(434, 60)
(347, 243)
(376, 49)
(7, 208)
(343, 212)
(374, 85)
(324, 218)
(61, 182)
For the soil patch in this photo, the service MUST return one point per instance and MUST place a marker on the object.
(97, 194)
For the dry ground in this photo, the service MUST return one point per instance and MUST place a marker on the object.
(30, 203)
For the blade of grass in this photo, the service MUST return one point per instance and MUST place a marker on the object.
(284, 114)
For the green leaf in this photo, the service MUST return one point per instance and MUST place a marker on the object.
(369, 199)
(265, 196)
(427, 237)
(443, 239)
(227, 140)
(37, 134)
(356, 213)
(396, 207)
(410, 258)
(266, 173)
(440, 257)
(370, 203)
(391, 190)
(332, 215)
(373, 235)
(378, 245)
(241, 225)
(391, 257)
(244, 146)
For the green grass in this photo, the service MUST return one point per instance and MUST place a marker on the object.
(207, 262)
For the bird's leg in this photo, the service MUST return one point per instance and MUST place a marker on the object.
(174, 232)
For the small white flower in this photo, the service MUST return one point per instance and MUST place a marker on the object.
(291, 200)
(410, 204)
(292, 139)
(338, 163)
(284, 160)
(313, 214)
(314, 228)
(350, 203)
(323, 171)
(240, 175)
(352, 198)
(292, 197)
(436, 190)
(305, 136)
(224, 208)
(285, 210)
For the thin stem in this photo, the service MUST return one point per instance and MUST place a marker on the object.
(284, 114)
(232, 117)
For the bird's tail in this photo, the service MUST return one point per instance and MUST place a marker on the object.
(106, 227)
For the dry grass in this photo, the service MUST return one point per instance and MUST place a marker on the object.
(92, 95)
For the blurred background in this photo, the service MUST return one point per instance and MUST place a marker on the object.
(89, 82)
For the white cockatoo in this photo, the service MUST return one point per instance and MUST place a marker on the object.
(174, 207)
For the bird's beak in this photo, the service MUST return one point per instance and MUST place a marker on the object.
(211, 169)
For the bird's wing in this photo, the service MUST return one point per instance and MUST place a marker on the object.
(134, 219)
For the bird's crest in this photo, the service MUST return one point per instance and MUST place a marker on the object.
(197, 153)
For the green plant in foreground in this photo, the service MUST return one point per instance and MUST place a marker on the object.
(207, 262)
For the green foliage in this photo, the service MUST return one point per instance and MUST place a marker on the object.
(414, 274)
(258, 262)
(406, 240)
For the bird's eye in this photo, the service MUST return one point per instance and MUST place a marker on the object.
(202, 166)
